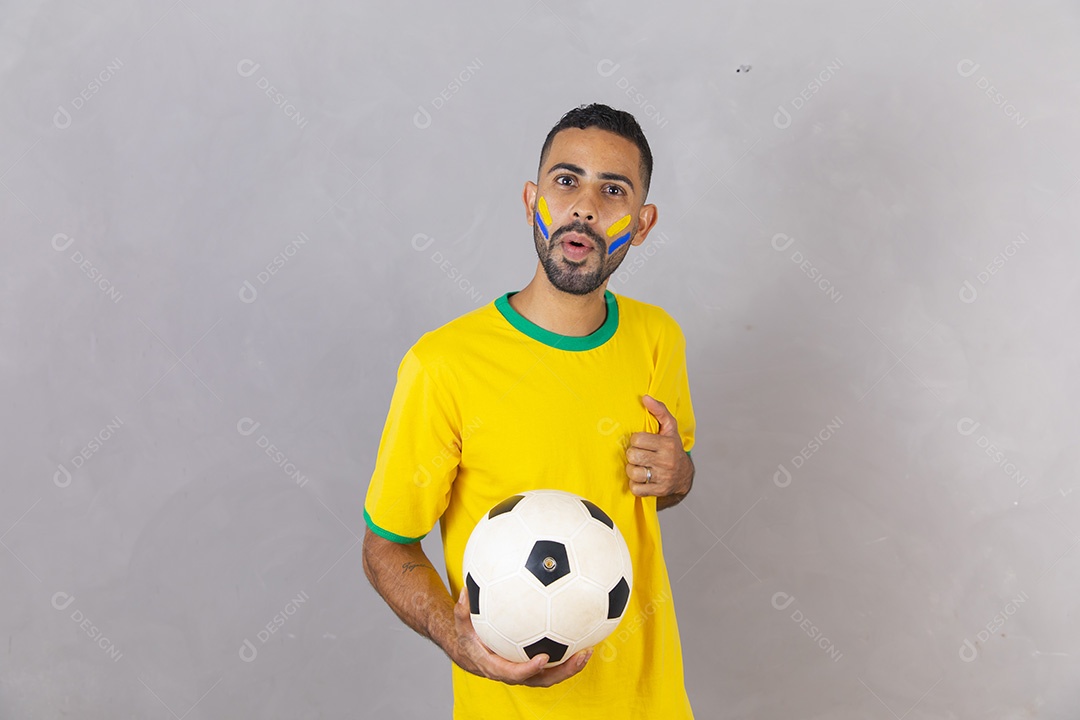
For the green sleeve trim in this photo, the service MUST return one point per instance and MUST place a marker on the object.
(689, 455)
(387, 535)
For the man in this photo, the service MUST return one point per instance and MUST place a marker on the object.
(564, 386)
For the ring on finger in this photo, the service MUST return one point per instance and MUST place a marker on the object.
(648, 475)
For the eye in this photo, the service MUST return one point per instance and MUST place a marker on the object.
(614, 190)
(568, 178)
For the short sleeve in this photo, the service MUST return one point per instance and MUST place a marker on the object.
(684, 408)
(418, 456)
(670, 383)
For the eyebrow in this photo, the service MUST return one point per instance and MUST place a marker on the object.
(603, 176)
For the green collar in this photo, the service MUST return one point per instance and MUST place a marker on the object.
(562, 342)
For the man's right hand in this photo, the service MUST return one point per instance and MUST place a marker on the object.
(473, 656)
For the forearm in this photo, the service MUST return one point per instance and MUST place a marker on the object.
(406, 580)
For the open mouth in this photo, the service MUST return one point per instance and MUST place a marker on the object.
(576, 246)
(576, 249)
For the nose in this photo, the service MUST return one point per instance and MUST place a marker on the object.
(585, 207)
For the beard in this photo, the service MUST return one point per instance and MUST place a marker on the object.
(575, 278)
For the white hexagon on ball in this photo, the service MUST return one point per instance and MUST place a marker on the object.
(578, 611)
(515, 605)
(553, 514)
(508, 533)
(601, 556)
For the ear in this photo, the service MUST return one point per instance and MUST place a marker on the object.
(528, 197)
(646, 221)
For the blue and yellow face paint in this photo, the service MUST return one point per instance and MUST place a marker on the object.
(543, 216)
(617, 227)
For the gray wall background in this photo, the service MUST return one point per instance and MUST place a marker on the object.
(223, 225)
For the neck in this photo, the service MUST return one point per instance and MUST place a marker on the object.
(559, 312)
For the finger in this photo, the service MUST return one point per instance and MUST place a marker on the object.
(639, 475)
(668, 425)
(538, 663)
(644, 458)
(645, 441)
(463, 618)
(638, 486)
(559, 673)
(521, 672)
(517, 673)
(461, 609)
(491, 665)
(652, 441)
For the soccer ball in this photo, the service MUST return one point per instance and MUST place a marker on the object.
(546, 572)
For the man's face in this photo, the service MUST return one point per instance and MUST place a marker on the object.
(586, 208)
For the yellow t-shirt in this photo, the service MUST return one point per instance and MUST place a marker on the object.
(490, 405)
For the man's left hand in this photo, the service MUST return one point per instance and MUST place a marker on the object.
(656, 462)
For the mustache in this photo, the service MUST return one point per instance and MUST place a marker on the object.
(581, 228)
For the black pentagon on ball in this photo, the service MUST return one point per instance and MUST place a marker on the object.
(474, 594)
(598, 514)
(505, 506)
(548, 561)
(554, 649)
(616, 599)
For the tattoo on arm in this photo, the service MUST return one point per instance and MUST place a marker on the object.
(408, 567)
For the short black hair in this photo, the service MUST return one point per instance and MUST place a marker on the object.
(607, 118)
